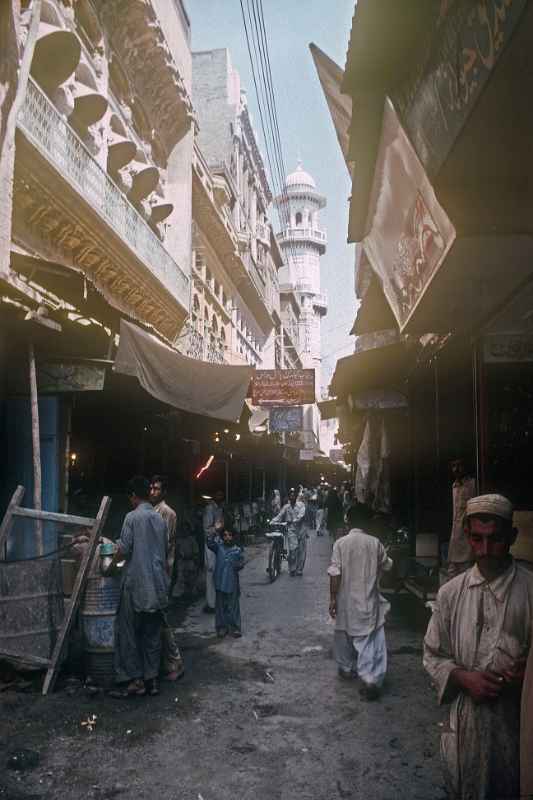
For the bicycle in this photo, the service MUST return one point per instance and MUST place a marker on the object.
(277, 548)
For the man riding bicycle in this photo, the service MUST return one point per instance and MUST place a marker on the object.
(293, 514)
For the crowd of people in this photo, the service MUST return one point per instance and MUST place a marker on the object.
(476, 648)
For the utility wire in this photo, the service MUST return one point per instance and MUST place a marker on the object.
(257, 45)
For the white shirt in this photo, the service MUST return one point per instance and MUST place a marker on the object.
(359, 558)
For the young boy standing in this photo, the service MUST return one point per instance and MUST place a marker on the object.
(229, 561)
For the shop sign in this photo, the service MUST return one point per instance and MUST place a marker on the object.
(307, 455)
(283, 387)
(379, 398)
(286, 419)
(411, 233)
(336, 455)
(436, 105)
(504, 348)
(55, 377)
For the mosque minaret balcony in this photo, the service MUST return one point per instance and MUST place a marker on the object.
(313, 236)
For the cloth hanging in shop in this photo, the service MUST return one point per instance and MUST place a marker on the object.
(211, 390)
(372, 479)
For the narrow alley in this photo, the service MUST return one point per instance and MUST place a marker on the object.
(261, 717)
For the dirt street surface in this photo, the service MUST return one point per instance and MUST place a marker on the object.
(260, 718)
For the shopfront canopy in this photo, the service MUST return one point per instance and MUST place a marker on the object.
(377, 367)
(211, 390)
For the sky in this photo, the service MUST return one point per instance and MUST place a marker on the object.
(305, 125)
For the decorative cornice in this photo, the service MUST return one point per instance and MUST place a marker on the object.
(47, 224)
(138, 40)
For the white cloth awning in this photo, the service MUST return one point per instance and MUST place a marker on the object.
(212, 390)
(330, 76)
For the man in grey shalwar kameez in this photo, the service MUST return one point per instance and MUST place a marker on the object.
(144, 593)
(293, 513)
(475, 649)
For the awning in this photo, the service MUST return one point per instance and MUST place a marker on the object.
(374, 313)
(340, 105)
(379, 367)
(328, 409)
(211, 390)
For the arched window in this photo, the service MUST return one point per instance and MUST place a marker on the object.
(196, 303)
(298, 218)
(223, 334)
(215, 325)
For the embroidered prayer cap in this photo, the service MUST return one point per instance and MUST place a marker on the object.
(494, 504)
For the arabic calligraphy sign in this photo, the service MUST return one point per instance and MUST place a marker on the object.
(438, 102)
(283, 387)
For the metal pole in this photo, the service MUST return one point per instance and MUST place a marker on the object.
(36, 448)
(226, 464)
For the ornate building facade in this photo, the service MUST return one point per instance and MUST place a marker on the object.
(236, 312)
(103, 147)
(100, 230)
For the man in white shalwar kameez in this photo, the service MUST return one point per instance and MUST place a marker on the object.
(357, 607)
(475, 649)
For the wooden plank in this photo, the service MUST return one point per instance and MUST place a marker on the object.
(7, 522)
(77, 592)
(36, 448)
(53, 516)
(24, 659)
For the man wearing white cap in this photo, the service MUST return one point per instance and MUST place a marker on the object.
(475, 649)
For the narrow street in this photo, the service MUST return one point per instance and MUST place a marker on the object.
(264, 717)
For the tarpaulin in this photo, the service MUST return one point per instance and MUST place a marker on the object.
(212, 390)
(340, 105)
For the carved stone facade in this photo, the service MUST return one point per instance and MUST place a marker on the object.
(48, 225)
(100, 122)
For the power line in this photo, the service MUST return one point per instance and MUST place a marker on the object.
(257, 44)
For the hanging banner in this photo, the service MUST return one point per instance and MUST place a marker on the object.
(284, 420)
(283, 387)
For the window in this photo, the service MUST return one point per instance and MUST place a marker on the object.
(298, 218)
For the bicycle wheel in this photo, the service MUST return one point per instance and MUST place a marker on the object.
(272, 573)
(278, 559)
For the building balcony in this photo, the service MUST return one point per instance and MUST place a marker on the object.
(262, 232)
(195, 345)
(67, 209)
(312, 235)
(320, 303)
(234, 249)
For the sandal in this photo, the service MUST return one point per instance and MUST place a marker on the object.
(134, 689)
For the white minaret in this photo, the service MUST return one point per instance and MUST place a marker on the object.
(302, 243)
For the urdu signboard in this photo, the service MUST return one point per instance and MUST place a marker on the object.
(283, 387)
(286, 419)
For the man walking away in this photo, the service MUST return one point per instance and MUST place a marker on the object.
(475, 649)
(356, 605)
(144, 593)
(293, 513)
(213, 521)
(322, 512)
(334, 513)
(172, 662)
(460, 556)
